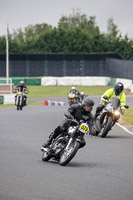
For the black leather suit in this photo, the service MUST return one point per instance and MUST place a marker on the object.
(77, 112)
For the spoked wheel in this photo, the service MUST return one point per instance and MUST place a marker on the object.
(69, 153)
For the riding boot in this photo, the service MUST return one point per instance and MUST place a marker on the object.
(51, 137)
(25, 104)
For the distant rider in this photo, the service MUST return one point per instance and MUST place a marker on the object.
(78, 112)
(110, 94)
(22, 88)
(76, 92)
(82, 96)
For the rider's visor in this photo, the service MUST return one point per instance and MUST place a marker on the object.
(88, 108)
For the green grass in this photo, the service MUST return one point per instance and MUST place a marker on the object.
(6, 105)
(128, 117)
(58, 91)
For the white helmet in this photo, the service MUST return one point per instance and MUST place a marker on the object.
(21, 82)
(73, 88)
(82, 93)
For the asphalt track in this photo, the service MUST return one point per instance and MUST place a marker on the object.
(102, 170)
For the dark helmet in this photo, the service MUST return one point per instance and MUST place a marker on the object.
(87, 102)
(118, 87)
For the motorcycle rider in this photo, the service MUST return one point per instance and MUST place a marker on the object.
(22, 88)
(109, 94)
(78, 112)
(82, 96)
(76, 92)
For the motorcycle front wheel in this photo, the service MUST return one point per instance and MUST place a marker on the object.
(71, 102)
(69, 153)
(107, 127)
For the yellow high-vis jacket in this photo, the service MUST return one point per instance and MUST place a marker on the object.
(111, 93)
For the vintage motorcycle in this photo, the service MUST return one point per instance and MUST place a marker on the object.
(108, 117)
(66, 145)
(19, 100)
(73, 99)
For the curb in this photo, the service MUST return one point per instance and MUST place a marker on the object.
(53, 103)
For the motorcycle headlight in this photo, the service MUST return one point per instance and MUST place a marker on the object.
(116, 113)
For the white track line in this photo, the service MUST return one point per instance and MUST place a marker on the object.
(125, 129)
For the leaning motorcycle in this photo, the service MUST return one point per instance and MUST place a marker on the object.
(108, 117)
(19, 100)
(72, 99)
(66, 145)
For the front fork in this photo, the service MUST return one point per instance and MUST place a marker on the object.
(72, 138)
(69, 142)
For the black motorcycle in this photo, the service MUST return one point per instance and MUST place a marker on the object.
(66, 145)
(19, 100)
(108, 117)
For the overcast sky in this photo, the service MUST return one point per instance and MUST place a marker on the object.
(21, 13)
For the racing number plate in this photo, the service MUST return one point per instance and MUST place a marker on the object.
(84, 128)
(19, 93)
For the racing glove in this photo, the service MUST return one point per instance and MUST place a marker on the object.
(122, 111)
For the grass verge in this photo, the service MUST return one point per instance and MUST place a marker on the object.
(6, 105)
(58, 91)
(128, 116)
(47, 91)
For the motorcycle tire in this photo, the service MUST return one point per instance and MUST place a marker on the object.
(65, 159)
(107, 127)
(71, 102)
(21, 107)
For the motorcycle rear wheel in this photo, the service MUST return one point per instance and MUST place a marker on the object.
(68, 155)
(107, 127)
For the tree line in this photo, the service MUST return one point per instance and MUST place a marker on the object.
(75, 33)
